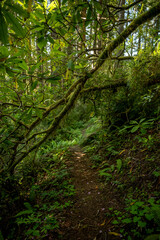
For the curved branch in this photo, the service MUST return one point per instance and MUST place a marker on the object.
(14, 120)
(26, 106)
(154, 11)
(108, 86)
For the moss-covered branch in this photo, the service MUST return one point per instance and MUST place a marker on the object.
(108, 86)
(154, 11)
(53, 126)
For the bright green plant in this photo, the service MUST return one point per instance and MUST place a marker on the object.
(119, 164)
(107, 171)
(147, 141)
(36, 222)
(141, 125)
(141, 218)
(40, 219)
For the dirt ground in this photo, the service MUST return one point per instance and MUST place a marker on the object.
(87, 219)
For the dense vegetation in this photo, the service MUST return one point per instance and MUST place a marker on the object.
(87, 73)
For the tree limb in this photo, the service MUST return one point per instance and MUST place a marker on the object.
(154, 11)
(108, 86)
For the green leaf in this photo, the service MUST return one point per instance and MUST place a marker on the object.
(17, 8)
(156, 174)
(39, 14)
(28, 205)
(88, 17)
(115, 222)
(1, 236)
(64, 2)
(33, 85)
(4, 52)
(21, 84)
(33, 232)
(119, 164)
(2, 68)
(16, 70)
(53, 78)
(35, 66)
(73, 20)
(57, 52)
(98, 7)
(78, 17)
(23, 65)
(142, 120)
(133, 122)
(41, 42)
(149, 216)
(39, 113)
(10, 72)
(3, 30)
(127, 220)
(136, 219)
(108, 175)
(37, 28)
(70, 65)
(135, 128)
(51, 40)
(153, 237)
(24, 212)
(16, 26)
(142, 224)
(139, 204)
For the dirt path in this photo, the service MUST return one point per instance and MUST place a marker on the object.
(87, 219)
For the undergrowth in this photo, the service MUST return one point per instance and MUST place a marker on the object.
(33, 202)
(128, 161)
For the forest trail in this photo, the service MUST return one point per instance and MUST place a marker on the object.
(87, 219)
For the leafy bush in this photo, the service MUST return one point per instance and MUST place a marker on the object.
(140, 218)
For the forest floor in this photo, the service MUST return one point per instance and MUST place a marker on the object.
(87, 219)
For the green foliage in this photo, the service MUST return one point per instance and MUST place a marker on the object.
(45, 189)
(147, 142)
(144, 68)
(40, 219)
(119, 164)
(141, 125)
(153, 237)
(140, 218)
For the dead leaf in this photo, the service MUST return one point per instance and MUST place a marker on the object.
(103, 223)
(115, 234)
(122, 151)
(143, 149)
(131, 170)
(109, 220)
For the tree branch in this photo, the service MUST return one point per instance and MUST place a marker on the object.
(100, 88)
(154, 11)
